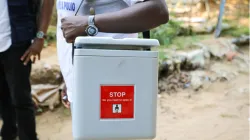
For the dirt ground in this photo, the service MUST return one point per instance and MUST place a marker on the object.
(220, 112)
(215, 114)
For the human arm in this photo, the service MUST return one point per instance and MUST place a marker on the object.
(137, 18)
(45, 15)
(44, 20)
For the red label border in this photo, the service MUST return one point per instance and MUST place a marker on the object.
(128, 107)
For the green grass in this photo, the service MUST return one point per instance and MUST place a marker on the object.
(169, 35)
(66, 111)
(51, 35)
(52, 28)
(165, 33)
(228, 116)
(181, 42)
(236, 31)
(161, 54)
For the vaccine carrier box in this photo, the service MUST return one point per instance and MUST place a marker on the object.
(115, 88)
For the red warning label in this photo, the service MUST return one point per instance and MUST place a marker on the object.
(117, 102)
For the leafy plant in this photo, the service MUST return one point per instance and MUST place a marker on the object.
(165, 33)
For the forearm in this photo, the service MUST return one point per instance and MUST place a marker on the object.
(138, 18)
(45, 15)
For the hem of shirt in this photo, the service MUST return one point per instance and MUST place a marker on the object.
(5, 48)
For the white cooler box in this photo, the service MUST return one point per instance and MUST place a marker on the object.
(115, 89)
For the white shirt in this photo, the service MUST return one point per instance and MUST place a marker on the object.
(68, 8)
(5, 29)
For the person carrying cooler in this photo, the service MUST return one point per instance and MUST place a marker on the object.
(112, 18)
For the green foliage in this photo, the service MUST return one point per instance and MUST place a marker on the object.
(51, 35)
(161, 54)
(165, 33)
(54, 17)
(236, 31)
(182, 42)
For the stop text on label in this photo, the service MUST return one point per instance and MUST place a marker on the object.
(117, 94)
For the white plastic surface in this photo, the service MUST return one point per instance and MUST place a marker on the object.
(93, 68)
(112, 41)
(116, 53)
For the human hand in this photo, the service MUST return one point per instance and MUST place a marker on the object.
(64, 97)
(73, 27)
(33, 51)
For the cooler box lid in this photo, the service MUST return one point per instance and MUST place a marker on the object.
(120, 42)
(108, 46)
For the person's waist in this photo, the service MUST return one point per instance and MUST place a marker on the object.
(21, 43)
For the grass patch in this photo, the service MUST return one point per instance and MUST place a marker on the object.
(172, 35)
(66, 112)
(181, 42)
(165, 33)
(52, 28)
(161, 54)
(54, 16)
(236, 31)
(51, 36)
(228, 116)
